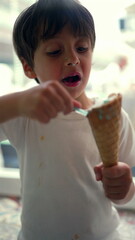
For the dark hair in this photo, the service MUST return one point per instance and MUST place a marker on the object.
(45, 18)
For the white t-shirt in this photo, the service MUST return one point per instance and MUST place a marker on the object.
(60, 195)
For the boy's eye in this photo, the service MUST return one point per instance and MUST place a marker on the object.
(54, 53)
(82, 49)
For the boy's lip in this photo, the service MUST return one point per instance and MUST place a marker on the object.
(72, 79)
(72, 74)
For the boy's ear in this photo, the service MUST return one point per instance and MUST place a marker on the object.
(29, 72)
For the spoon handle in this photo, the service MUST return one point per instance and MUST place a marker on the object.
(81, 111)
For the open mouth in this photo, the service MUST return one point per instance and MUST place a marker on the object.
(71, 81)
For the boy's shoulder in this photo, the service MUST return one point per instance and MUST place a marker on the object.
(12, 128)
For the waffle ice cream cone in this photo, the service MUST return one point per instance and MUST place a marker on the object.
(105, 124)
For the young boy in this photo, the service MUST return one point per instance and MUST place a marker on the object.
(62, 199)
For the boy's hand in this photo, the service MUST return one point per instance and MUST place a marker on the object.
(45, 101)
(116, 180)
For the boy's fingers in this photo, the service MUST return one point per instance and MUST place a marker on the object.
(65, 99)
(77, 104)
(98, 171)
(117, 171)
(60, 97)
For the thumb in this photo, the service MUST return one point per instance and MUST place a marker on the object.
(98, 171)
(77, 104)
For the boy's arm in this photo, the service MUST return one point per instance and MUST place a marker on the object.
(42, 103)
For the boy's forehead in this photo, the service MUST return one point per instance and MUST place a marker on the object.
(59, 37)
(66, 30)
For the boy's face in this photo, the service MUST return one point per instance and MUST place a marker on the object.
(66, 59)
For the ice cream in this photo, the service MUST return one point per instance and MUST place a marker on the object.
(104, 118)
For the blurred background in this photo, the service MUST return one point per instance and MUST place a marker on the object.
(113, 70)
(114, 55)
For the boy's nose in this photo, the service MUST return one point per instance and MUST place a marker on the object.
(71, 60)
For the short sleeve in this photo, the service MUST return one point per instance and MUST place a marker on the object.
(12, 130)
